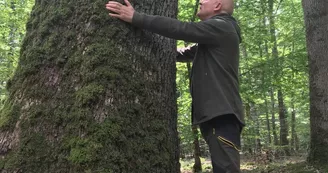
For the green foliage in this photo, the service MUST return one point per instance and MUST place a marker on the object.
(262, 72)
(187, 165)
(285, 167)
(13, 17)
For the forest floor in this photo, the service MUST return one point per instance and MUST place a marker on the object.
(287, 165)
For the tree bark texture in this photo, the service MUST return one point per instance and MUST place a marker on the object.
(91, 93)
(316, 22)
(197, 167)
(293, 140)
(277, 76)
(273, 42)
(249, 145)
(267, 121)
(258, 145)
(283, 123)
(273, 118)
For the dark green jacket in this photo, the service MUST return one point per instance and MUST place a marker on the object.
(214, 77)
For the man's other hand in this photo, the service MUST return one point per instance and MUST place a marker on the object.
(118, 10)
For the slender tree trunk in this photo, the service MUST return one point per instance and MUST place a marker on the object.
(273, 118)
(294, 135)
(198, 164)
(12, 40)
(267, 121)
(256, 128)
(278, 74)
(297, 143)
(283, 123)
(274, 55)
(293, 141)
(258, 135)
(273, 32)
(249, 144)
(266, 51)
(316, 17)
(12, 34)
(263, 76)
(91, 94)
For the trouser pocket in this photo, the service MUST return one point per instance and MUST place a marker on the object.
(221, 139)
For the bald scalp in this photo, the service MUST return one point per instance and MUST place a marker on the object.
(227, 6)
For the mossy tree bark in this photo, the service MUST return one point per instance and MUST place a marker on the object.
(91, 93)
(316, 17)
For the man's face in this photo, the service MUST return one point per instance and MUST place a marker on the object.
(208, 8)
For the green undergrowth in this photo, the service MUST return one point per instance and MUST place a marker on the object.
(186, 165)
(300, 167)
(290, 165)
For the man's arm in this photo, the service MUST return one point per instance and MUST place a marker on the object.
(210, 31)
(186, 54)
(205, 32)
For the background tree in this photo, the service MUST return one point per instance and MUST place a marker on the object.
(316, 22)
(273, 60)
(91, 93)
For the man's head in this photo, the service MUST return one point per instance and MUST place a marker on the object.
(209, 8)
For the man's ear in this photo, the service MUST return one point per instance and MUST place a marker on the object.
(218, 6)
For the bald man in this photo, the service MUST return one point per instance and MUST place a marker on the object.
(216, 103)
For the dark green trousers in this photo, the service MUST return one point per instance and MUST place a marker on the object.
(222, 134)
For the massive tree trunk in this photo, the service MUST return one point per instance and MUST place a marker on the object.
(91, 93)
(316, 17)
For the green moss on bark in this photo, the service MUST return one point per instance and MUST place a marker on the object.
(9, 115)
(100, 98)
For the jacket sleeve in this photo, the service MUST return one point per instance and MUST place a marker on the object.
(186, 54)
(210, 31)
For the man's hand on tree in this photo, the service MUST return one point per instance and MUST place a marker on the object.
(123, 12)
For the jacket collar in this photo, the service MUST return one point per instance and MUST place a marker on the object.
(221, 14)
